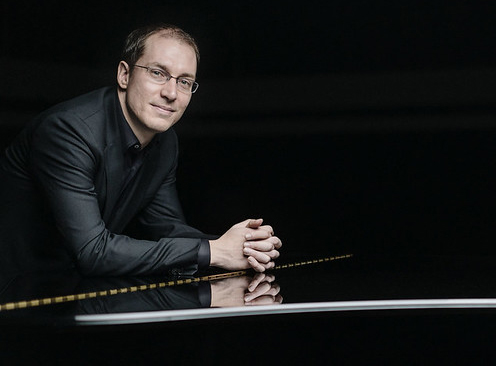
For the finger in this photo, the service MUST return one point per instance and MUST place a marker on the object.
(264, 244)
(263, 300)
(254, 224)
(277, 242)
(261, 245)
(269, 265)
(273, 254)
(258, 267)
(257, 234)
(257, 279)
(249, 223)
(274, 289)
(261, 289)
(261, 257)
(269, 277)
(267, 228)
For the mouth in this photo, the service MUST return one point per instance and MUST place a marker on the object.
(163, 109)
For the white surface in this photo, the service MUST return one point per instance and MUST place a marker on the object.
(189, 314)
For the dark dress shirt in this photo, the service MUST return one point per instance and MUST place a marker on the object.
(134, 156)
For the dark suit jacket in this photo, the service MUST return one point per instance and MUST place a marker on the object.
(61, 203)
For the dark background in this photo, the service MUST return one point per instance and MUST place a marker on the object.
(248, 38)
(350, 126)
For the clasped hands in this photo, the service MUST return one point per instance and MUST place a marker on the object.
(246, 244)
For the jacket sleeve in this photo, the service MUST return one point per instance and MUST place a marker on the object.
(64, 161)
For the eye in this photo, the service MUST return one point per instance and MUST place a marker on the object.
(157, 74)
(185, 82)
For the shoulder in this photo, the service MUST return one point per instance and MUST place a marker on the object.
(87, 115)
(84, 107)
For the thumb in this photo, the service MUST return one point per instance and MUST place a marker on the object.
(253, 224)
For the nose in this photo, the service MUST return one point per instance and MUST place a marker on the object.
(169, 89)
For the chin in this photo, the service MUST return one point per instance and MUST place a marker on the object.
(162, 127)
(158, 124)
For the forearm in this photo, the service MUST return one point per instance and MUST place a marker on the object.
(114, 255)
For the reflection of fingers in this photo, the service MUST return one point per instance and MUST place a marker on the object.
(274, 290)
(265, 300)
(262, 300)
(261, 289)
(257, 279)
(270, 278)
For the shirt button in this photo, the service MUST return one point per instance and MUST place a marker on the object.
(137, 146)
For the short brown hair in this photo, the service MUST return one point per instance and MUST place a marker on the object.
(134, 46)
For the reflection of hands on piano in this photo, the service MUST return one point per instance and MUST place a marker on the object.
(263, 291)
(244, 290)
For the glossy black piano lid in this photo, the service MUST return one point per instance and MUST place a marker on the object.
(352, 323)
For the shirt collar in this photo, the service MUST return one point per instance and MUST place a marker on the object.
(129, 140)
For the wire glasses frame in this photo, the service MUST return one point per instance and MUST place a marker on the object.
(161, 77)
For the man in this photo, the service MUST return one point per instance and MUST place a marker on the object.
(86, 174)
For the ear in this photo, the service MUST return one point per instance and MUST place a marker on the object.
(123, 71)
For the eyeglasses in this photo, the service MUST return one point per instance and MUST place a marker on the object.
(161, 77)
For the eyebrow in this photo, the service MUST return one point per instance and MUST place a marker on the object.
(188, 75)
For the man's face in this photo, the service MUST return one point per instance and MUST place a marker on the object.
(149, 107)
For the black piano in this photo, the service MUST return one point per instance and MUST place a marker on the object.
(334, 309)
